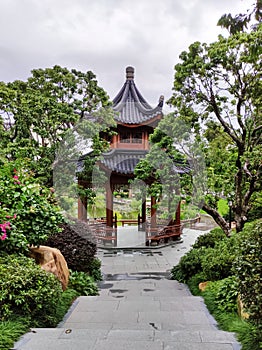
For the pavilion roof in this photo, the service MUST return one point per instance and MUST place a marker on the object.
(130, 105)
(123, 161)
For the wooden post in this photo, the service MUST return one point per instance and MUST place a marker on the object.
(143, 212)
(80, 209)
(109, 205)
(153, 213)
(178, 221)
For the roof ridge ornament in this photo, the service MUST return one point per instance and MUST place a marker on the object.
(130, 73)
(161, 101)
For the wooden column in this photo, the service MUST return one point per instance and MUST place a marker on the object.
(153, 212)
(178, 209)
(143, 212)
(109, 205)
(82, 209)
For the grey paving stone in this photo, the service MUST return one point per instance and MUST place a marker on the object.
(127, 345)
(217, 336)
(131, 334)
(139, 305)
(178, 336)
(56, 344)
(90, 305)
(104, 316)
(88, 325)
(196, 346)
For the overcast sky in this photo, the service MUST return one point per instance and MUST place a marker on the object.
(106, 36)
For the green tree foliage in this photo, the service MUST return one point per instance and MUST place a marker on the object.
(217, 92)
(36, 114)
(240, 22)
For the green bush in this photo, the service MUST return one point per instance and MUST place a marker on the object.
(189, 265)
(248, 268)
(28, 214)
(224, 293)
(27, 290)
(82, 283)
(78, 247)
(210, 239)
(217, 262)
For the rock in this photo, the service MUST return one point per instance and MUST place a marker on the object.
(51, 260)
(241, 309)
(202, 286)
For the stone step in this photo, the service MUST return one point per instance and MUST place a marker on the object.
(100, 339)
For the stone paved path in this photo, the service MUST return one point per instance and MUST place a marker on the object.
(139, 307)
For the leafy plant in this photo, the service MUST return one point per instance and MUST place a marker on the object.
(28, 208)
(210, 239)
(11, 330)
(82, 283)
(27, 290)
(189, 265)
(248, 267)
(77, 245)
(217, 262)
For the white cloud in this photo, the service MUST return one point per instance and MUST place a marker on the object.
(105, 36)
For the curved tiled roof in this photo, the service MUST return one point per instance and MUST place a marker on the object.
(122, 161)
(130, 105)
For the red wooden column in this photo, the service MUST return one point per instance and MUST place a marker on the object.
(143, 211)
(153, 213)
(109, 205)
(178, 209)
(82, 209)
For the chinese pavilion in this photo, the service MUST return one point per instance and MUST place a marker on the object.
(135, 120)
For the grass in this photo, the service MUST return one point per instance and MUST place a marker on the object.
(14, 328)
(247, 333)
(11, 331)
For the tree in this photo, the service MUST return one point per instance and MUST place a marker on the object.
(240, 22)
(221, 84)
(37, 113)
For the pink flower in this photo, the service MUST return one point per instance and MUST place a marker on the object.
(15, 177)
(3, 237)
(14, 216)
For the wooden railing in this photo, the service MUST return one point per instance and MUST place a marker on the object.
(163, 234)
(191, 222)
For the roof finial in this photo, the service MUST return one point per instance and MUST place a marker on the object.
(130, 73)
(161, 101)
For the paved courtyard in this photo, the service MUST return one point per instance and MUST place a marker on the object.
(139, 307)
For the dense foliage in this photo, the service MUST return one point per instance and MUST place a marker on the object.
(248, 269)
(232, 267)
(36, 114)
(27, 290)
(28, 214)
(82, 283)
(78, 246)
(216, 124)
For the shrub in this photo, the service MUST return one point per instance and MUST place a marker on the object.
(78, 247)
(217, 262)
(210, 239)
(82, 283)
(27, 206)
(27, 290)
(189, 265)
(248, 267)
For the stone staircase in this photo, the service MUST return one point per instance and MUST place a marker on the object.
(135, 311)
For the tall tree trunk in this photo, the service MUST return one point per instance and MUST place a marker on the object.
(218, 218)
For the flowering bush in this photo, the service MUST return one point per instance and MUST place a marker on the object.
(28, 214)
